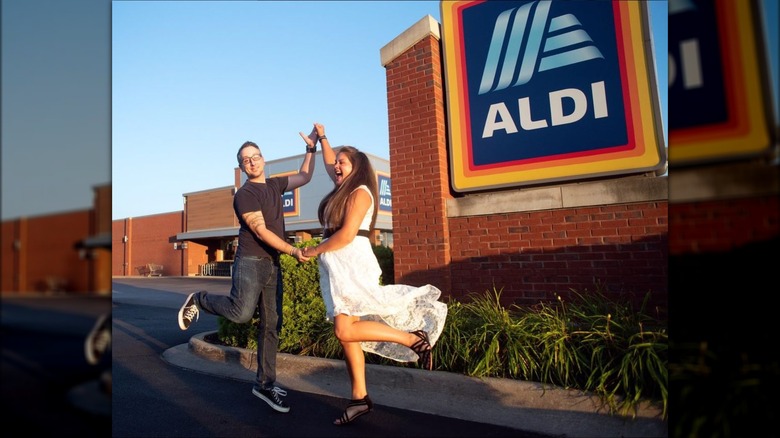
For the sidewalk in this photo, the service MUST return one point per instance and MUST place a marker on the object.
(521, 405)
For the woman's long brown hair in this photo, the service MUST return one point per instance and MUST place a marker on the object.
(333, 206)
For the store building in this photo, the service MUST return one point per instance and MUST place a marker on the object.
(64, 252)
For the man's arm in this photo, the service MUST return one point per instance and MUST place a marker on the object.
(307, 167)
(256, 223)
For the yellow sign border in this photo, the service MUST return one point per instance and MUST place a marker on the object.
(644, 104)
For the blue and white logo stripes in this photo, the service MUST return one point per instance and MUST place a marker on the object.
(566, 43)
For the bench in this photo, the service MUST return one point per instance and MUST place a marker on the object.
(150, 270)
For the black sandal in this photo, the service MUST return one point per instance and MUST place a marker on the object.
(423, 349)
(347, 418)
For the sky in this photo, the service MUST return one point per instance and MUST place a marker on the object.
(56, 124)
(155, 97)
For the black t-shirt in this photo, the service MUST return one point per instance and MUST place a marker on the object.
(266, 197)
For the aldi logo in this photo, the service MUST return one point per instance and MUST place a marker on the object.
(544, 91)
(385, 193)
(542, 50)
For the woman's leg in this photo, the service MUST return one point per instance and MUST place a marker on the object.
(352, 329)
(356, 368)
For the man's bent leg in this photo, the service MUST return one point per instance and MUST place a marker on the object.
(248, 275)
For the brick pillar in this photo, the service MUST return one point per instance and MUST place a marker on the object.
(418, 156)
(128, 247)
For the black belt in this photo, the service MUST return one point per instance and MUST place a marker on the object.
(327, 232)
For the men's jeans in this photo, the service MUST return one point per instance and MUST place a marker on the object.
(257, 284)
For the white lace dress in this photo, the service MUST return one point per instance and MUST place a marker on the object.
(349, 280)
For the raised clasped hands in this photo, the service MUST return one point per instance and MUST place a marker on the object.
(311, 139)
(320, 129)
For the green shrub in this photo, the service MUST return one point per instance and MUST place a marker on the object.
(384, 256)
(302, 306)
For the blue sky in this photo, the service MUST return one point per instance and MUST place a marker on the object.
(155, 97)
(56, 112)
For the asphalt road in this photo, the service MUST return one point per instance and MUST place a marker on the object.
(48, 387)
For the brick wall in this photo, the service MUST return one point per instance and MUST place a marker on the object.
(722, 225)
(39, 253)
(149, 240)
(60, 252)
(532, 256)
(418, 162)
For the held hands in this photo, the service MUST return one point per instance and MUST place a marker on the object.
(317, 133)
(320, 128)
(310, 251)
(311, 139)
(298, 254)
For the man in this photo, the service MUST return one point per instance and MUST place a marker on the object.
(257, 278)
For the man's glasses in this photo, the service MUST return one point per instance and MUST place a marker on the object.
(253, 158)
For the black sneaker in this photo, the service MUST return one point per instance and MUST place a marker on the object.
(271, 396)
(188, 312)
(98, 340)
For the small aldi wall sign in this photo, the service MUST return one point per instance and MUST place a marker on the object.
(543, 91)
(290, 204)
(385, 193)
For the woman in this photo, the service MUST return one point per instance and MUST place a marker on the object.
(398, 322)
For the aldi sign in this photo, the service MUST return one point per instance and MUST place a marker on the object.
(290, 203)
(385, 193)
(717, 82)
(542, 91)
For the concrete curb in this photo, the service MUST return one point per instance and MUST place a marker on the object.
(521, 405)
